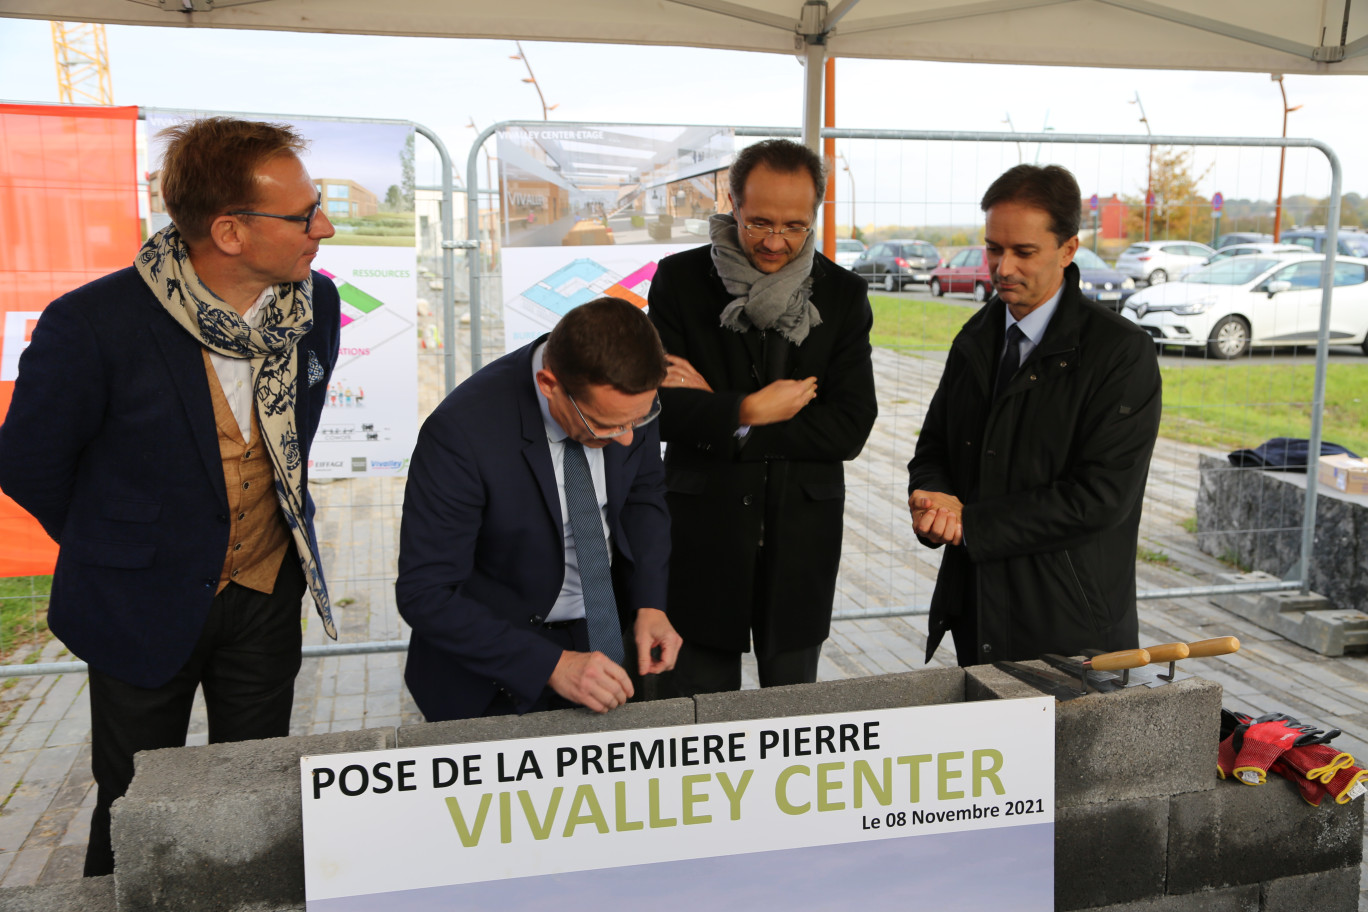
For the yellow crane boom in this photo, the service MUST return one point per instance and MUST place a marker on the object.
(82, 63)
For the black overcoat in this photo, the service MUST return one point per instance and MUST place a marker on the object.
(1052, 475)
(783, 484)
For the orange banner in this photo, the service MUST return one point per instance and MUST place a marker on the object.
(68, 214)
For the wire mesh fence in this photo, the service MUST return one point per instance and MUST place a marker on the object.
(1203, 517)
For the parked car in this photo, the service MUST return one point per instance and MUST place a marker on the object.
(967, 271)
(893, 264)
(1251, 249)
(1101, 283)
(1242, 237)
(1351, 243)
(1155, 262)
(848, 250)
(1255, 300)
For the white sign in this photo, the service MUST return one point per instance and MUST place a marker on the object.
(810, 812)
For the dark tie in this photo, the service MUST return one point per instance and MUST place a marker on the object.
(596, 580)
(1011, 359)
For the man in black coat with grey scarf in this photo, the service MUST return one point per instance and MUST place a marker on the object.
(770, 389)
(1030, 467)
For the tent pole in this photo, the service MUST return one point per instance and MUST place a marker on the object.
(812, 28)
(812, 101)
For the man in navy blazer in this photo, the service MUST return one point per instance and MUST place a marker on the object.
(489, 570)
(181, 509)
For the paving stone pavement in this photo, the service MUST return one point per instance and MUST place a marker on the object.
(46, 791)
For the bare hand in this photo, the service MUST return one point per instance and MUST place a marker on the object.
(592, 680)
(681, 375)
(779, 401)
(651, 630)
(937, 517)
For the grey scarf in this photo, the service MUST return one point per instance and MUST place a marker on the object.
(778, 301)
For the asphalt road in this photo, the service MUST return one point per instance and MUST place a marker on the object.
(1171, 356)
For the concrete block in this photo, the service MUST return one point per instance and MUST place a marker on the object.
(1110, 853)
(1134, 743)
(985, 682)
(1329, 891)
(1237, 834)
(1309, 620)
(1230, 899)
(926, 687)
(547, 724)
(219, 827)
(89, 894)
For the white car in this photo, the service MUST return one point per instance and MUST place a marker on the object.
(1255, 300)
(1155, 262)
(848, 250)
(1251, 249)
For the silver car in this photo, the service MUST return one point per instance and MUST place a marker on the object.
(1155, 262)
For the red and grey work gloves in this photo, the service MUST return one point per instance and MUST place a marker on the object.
(1251, 747)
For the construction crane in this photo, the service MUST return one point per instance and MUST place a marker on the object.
(82, 63)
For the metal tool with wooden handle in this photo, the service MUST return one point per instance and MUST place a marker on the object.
(1172, 653)
(1122, 661)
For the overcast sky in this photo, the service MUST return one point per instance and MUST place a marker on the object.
(445, 83)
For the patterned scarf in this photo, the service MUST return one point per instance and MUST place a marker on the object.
(164, 264)
(779, 300)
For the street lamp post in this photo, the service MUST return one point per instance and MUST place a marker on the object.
(1012, 127)
(1149, 166)
(1282, 157)
(845, 166)
(546, 109)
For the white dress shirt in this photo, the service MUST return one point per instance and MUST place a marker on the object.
(235, 374)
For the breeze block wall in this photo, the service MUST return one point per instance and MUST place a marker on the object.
(1142, 823)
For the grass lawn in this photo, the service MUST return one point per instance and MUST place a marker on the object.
(23, 612)
(1226, 405)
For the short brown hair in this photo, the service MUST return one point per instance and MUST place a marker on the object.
(1051, 189)
(210, 167)
(780, 155)
(606, 342)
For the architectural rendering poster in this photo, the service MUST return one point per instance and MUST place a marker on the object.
(589, 211)
(948, 806)
(365, 175)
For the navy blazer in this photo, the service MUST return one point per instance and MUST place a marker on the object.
(110, 443)
(481, 547)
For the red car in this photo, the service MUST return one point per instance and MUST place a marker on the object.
(967, 272)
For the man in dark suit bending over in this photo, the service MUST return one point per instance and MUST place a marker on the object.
(535, 526)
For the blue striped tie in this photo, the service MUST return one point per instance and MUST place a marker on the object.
(596, 580)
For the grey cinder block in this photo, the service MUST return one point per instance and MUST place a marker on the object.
(1229, 899)
(89, 894)
(1110, 853)
(543, 724)
(219, 826)
(926, 687)
(1328, 891)
(985, 682)
(1235, 834)
(1134, 743)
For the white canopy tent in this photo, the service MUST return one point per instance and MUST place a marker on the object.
(1269, 36)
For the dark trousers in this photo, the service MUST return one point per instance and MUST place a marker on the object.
(702, 669)
(246, 660)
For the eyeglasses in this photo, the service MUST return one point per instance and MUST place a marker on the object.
(306, 219)
(646, 419)
(791, 233)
